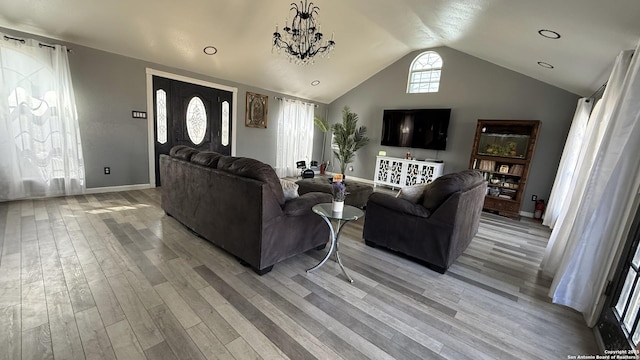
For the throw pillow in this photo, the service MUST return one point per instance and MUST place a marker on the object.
(289, 188)
(412, 193)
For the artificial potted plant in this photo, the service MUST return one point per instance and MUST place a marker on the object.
(348, 137)
(339, 192)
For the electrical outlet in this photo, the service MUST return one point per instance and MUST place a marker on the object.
(534, 197)
(107, 170)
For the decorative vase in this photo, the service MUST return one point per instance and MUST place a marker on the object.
(337, 206)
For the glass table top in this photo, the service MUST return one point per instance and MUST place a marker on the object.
(348, 213)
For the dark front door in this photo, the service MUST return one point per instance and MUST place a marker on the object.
(192, 115)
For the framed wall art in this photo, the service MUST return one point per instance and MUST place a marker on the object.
(257, 110)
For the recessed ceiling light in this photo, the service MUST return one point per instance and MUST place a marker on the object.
(545, 65)
(210, 50)
(550, 34)
(315, 83)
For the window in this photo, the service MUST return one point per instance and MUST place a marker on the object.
(40, 134)
(196, 120)
(225, 123)
(161, 111)
(424, 73)
(294, 136)
(629, 300)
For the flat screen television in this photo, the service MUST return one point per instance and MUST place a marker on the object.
(420, 128)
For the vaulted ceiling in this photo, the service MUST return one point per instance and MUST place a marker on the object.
(370, 35)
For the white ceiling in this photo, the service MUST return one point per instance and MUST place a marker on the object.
(370, 35)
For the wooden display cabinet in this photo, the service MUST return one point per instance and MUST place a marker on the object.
(503, 150)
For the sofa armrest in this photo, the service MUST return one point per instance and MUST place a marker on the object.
(302, 204)
(399, 205)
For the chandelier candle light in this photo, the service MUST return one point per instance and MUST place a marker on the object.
(302, 39)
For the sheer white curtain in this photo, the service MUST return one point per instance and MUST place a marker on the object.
(39, 132)
(568, 162)
(598, 123)
(295, 136)
(603, 208)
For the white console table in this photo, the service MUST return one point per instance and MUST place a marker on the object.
(396, 172)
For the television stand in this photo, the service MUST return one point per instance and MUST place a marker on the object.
(399, 173)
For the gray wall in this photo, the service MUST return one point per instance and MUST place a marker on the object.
(261, 143)
(473, 89)
(109, 86)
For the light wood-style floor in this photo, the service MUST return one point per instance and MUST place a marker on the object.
(110, 276)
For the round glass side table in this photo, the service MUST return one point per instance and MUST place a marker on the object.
(349, 213)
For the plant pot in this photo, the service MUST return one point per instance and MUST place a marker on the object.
(337, 207)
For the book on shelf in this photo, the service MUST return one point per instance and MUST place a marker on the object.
(507, 194)
(487, 165)
(516, 170)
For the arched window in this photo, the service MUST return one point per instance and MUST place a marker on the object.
(424, 73)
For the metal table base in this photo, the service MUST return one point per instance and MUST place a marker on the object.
(334, 247)
(349, 213)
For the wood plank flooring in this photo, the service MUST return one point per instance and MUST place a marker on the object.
(109, 276)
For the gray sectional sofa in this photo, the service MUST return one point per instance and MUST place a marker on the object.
(238, 204)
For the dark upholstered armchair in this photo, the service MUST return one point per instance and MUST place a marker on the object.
(436, 226)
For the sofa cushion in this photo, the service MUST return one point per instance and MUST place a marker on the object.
(290, 189)
(182, 152)
(441, 188)
(398, 205)
(225, 162)
(253, 169)
(206, 158)
(412, 193)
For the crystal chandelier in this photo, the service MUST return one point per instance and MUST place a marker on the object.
(302, 39)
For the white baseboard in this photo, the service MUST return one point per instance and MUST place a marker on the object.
(109, 189)
(526, 214)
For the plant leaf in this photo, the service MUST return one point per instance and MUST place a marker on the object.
(321, 123)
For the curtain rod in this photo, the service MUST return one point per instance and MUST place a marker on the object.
(601, 88)
(281, 98)
(22, 41)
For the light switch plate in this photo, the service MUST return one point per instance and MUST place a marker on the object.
(139, 114)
